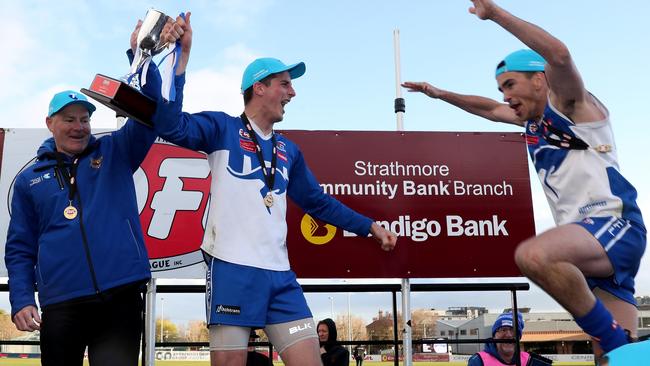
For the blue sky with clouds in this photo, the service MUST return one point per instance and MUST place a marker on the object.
(350, 81)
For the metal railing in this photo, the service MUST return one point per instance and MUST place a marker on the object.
(512, 287)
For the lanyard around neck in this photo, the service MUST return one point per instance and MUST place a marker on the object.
(70, 176)
(269, 178)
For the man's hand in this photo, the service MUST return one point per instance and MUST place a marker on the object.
(483, 9)
(27, 319)
(181, 29)
(422, 87)
(134, 36)
(387, 239)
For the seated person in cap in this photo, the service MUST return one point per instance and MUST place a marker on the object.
(254, 358)
(501, 353)
(254, 170)
(331, 352)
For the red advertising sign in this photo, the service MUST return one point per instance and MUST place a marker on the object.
(459, 203)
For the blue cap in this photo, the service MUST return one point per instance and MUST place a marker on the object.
(263, 67)
(66, 98)
(522, 60)
(505, 320)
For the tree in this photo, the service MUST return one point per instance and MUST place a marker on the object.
(170, 331)
(7, 328)
(358, 328)
(423, 324)
(194, 331)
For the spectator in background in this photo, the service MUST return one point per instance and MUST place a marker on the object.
(331, 353)
(359, 355)
(501, 353)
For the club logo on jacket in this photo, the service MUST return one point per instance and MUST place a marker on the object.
(96, 163)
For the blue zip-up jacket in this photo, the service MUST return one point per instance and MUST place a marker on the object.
(103, 247)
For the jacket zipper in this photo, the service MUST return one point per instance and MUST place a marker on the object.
(86, 246)
(57, 174)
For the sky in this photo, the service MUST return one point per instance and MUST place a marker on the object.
(350, 80)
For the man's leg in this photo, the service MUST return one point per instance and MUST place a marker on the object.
(625, 314)
(228, 345)
(305, 352)
(62, 335)
(296, 342)
(236, 300)
(558, 261)
(228, 358)
(116, 330)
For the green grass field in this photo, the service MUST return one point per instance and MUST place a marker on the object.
(36, 362)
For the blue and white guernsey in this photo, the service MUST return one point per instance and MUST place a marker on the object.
(580, 183)
(240, 229)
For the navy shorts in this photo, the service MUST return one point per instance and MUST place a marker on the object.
(624, 242)
(252, 297)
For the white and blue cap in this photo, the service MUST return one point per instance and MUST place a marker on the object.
(66, 98)
(523, 60)
(263, 67)
(505, 320)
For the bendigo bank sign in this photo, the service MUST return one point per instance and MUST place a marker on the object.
(459, 203)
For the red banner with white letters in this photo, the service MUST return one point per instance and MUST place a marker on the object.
(459, 203)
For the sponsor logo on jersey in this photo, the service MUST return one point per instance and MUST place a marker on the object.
(533, 127)
(39, 179)
(300, 328)
(532, 140)
(228, 309)
(247, 145)
(281, 146)
(244, 134)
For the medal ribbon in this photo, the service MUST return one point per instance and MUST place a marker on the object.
(70, 177)
(562, 139)
(269, 178)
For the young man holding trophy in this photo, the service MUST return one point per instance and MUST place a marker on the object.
(249, 281)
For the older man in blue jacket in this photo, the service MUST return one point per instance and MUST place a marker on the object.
(75, 237)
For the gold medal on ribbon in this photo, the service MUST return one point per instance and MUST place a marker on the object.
(268, 200)
(70, 212)
(605, 148)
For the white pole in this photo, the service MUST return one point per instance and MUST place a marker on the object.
(150, 324)
(400, 108)
(162, 318)
(331, 307)
(349, 326)
(399, 101)
(406, 319)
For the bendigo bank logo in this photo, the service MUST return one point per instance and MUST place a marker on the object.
(316, 233)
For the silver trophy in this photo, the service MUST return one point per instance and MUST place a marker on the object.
(148, 44)
(123, 95)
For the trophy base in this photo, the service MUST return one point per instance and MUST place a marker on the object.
(122, 98)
